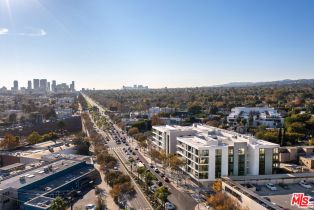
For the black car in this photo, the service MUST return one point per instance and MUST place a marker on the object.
(167, 180)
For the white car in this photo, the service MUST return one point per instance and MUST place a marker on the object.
(271, 187)
(90, 207)
(305, 185)
(169, 206)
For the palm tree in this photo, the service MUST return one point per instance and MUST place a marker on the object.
(58, 204)
(162, 194)
(148, 178)
(140, 171)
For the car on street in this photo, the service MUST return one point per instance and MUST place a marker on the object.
(157, 171)
(90, 207)
(167, 180)
(304, 184)
(271, 186)
(162, 175)
(169, 206)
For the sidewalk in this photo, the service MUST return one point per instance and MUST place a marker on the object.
(202, 206)
(91, 197)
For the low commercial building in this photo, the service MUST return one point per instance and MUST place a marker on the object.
(35, 188)
(6, 170)
(253, 193)
(211, 152)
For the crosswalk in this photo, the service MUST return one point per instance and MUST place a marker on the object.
(117, 148)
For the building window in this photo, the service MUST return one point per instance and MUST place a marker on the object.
(218, 163)
(241, 162)
(241, 151)
(203, 160)
(196, 152)
(230, 161)
(203, 168)
(262, 161)
(203, 153)
(196, 167)
(203, 175)
(230, 150)
(275, 160)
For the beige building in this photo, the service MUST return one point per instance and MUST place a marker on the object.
(292, 154)
(307, 161)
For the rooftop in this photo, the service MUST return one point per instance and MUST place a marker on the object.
(208, 136)
(41, 202)
(164, 128)
(36, 174)
(12, 166)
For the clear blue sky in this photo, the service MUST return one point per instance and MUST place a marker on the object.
(174, 43)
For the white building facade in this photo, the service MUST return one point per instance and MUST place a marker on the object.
(210, 152)
(255, 116)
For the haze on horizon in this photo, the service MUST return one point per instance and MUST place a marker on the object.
(106, 44)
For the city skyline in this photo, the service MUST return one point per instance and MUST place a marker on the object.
(40, 85)
(108, 44)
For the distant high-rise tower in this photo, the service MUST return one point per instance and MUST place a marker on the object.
(15, 85)
(53, 86)
(36, 84)
(43, 84)
(72, 86)
(48, 86)
(29, 85)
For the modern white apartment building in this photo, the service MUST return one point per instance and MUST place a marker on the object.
(165, 137)
(255, 116)
(211, 152)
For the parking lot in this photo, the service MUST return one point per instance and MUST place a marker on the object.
(283, 194)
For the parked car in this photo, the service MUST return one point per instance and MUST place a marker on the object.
(162, 175)
(304, 184)
(167, 180)
(90, 207)
(157, 171)
(271, 187)
(169, 206)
